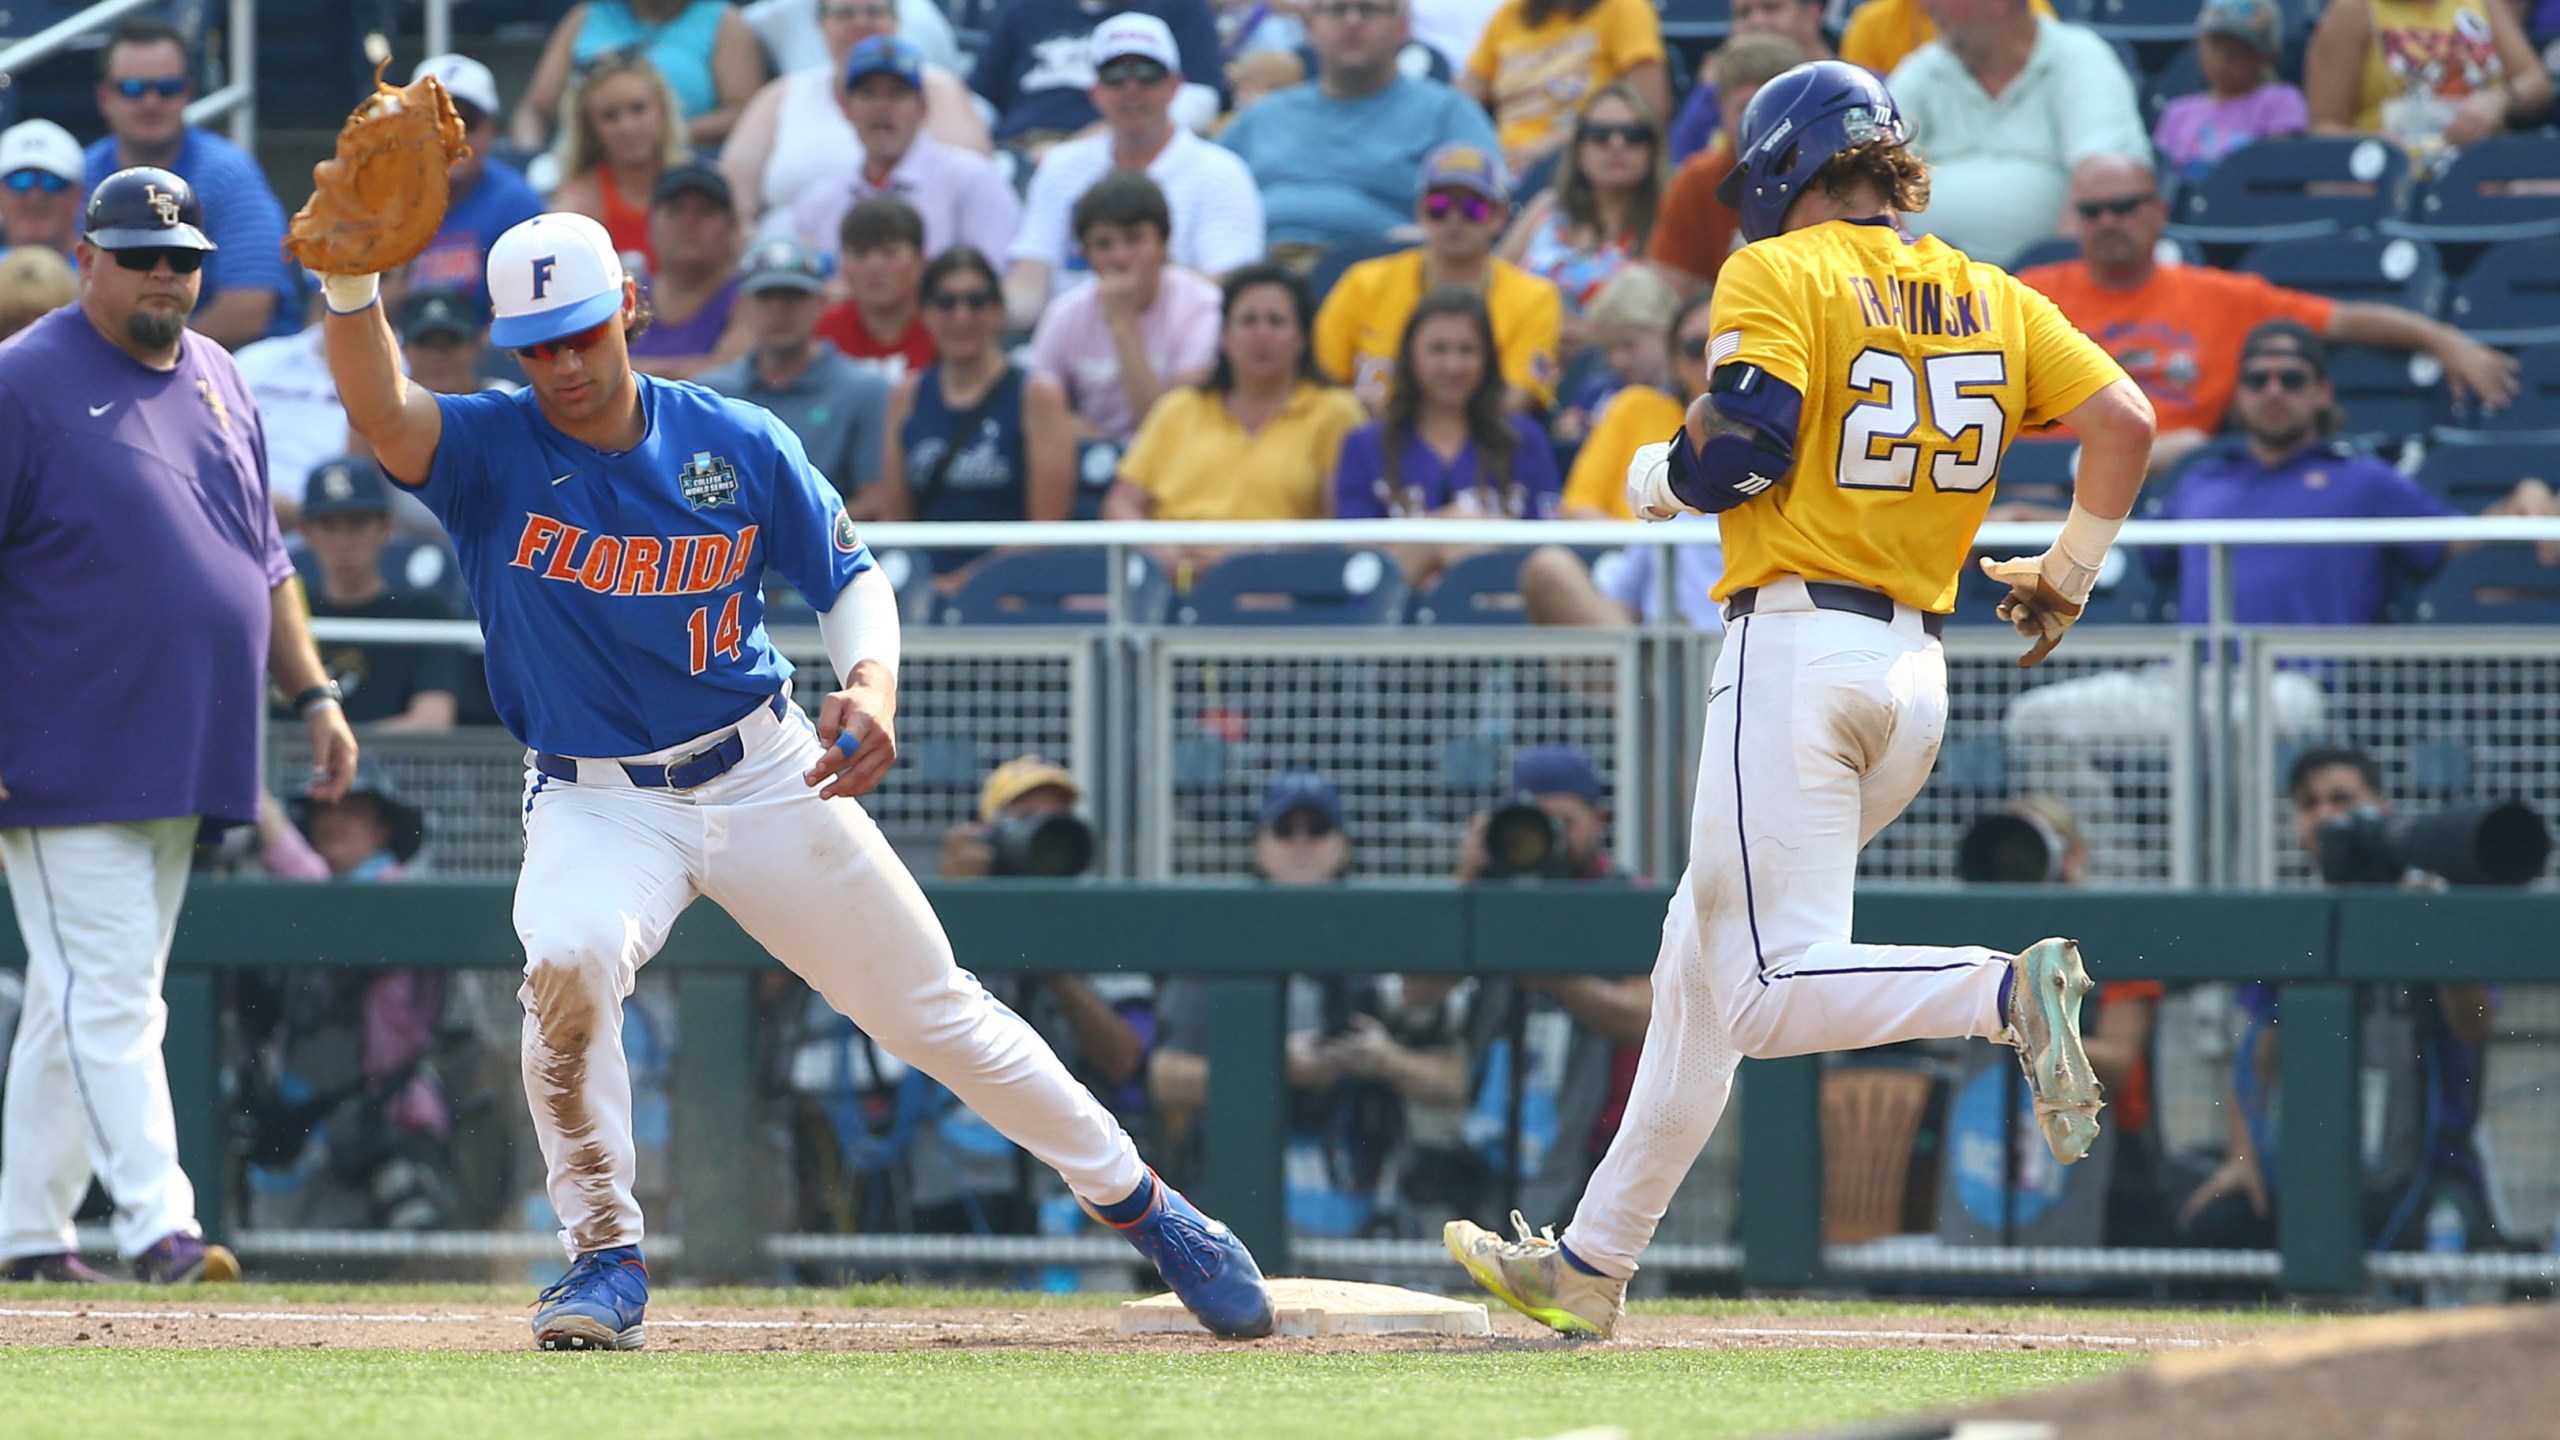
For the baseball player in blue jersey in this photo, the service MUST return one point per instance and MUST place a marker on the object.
(614, 530)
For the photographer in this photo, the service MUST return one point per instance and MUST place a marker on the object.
(1576, 1037)
(2421, 1054)
(1376, 1063)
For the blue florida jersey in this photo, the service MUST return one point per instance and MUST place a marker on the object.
(622, 592)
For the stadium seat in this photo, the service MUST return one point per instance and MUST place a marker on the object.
(2298, 187)
(1097, 466)
(2386, 396)
(2390, 271)
(2470, 477)
(2142, 20)
(942, 762)
(2055, 249)
(2537, 405)
(1051, 587)
(1479, 590)
(1693, 23)
(1296, 587)
(2038, 472)
(2480, 198)
(2181, 74)
(2511, 296)
(2493, 585)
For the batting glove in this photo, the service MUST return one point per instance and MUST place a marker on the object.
(1649, 484)
(2048, 592)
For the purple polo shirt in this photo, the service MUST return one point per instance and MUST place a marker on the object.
(2295, 584)
(137, 553)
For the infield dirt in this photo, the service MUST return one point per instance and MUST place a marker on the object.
(214, 1320)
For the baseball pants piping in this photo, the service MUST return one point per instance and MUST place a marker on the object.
(1821, 726)
(88, 1092)
(609, 867)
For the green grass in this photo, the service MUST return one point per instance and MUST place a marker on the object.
(1245, 1395)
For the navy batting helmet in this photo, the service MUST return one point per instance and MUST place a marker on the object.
(1793, 127)
(145, 208)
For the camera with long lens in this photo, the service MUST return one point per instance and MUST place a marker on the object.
(2486, 842)
(2010, 847)
(1522, 840)
(1041, 847)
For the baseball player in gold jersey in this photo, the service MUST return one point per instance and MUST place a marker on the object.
(1865, 385)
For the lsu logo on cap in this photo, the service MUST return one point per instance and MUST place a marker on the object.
(552, 275)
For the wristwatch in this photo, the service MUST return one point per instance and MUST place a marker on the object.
(324, 693)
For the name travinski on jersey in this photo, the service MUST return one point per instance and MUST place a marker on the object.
(1920, 307)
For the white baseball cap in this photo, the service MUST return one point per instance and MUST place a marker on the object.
(1133, 32)
(464, 78)
(41, 145)
(552, 275)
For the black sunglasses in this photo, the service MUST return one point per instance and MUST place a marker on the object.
(1630, 133)
(1313, 825)
(1130, 67)
(1694, 346)
(2119, 206)
(167, 89)
(183, 261)
(2285, 378)
(947, 301)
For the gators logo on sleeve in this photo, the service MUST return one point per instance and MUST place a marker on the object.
(846, 540)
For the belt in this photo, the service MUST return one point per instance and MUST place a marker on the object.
(699, 768)
(1830, 595)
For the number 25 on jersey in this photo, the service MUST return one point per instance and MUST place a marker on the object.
(1949, 412)
(709, 639)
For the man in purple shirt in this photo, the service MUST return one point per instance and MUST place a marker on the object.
(148, 598)
(2283, 466)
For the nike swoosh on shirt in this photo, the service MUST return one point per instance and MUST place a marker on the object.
(97, 410)
(557, 479)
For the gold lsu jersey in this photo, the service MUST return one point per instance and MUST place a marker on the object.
(1918, 366)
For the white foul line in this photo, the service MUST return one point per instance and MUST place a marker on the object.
(293, 1316)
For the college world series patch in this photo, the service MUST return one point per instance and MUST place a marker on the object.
(707, 480)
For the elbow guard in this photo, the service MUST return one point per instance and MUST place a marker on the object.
(1753, 448)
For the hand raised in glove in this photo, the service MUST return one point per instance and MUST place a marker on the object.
(380, 201)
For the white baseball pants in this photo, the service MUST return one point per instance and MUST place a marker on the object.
(608, 868)
(87, 1090)
(1821, 726)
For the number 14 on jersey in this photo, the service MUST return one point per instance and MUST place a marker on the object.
(709, 639)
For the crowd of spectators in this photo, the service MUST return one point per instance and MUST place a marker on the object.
(1378, 258)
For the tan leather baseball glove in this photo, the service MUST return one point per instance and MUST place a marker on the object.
(376, 205)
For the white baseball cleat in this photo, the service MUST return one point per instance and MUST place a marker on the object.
(1532, 1276)
(2046, 986)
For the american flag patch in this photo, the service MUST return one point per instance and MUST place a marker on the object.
(1724, 347)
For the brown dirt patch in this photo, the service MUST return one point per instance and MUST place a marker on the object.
(2478, 1374)
(210, 1321)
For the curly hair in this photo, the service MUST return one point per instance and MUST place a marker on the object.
(1894, 169)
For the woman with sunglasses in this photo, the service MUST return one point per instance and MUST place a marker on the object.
(794, 134)
(1538, 59)
(625, 137)
(972, 436)
(1446, 446)
(704, 47)
(1460, 210)
(1596, 220)
(1258, 439)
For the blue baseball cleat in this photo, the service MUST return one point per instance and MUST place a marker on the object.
(1208, 1268)
(597, 1305)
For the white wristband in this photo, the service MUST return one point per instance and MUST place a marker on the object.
(348, 294)
(2071, 566)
